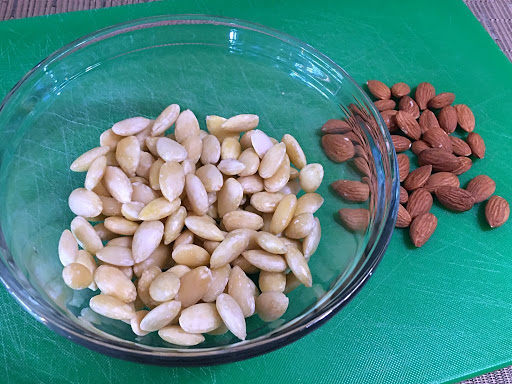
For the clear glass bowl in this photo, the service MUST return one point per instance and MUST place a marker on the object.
(211, 65)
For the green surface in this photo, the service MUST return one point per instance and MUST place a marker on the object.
(436, 314)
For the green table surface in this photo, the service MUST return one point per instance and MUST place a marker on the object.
(436, 314)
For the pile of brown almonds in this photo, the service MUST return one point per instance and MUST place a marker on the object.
(424, 125)
(186, 217)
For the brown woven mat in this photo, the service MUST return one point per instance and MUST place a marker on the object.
(494, 15)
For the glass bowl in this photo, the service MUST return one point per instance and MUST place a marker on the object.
(210, 65)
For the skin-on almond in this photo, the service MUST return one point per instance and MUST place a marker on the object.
(439, 159)
(404, 196)
(465, 117)
(497, 211)
(389, 119)
(424, 93)
(418, 146)
(441, 100)
(428, 120)
(336, 126)
(420, 201)
(404, 165)
(417, 178)
(455, 199)
(481, 187)
(351, 190)
(407, 104)
(422, 228)
(338, 148)
(465, 164)
(441, 179)
(400, 143)
(379, 89)
(408, 125)
(384, 105)
(448, 119)
(438, 138)
(403, 219)
(399, 90)
(477, 144)
(460, 147)
(355, 219)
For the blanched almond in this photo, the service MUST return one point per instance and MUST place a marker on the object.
(272, 281)
(146, 239)
(308, 203)
(164, 287)
(191, 255)
(68, 248)
(211, 150)
(154, 174)
(174, 224)
(311, 177)
(250, 160)
(151, 145)
(220, 277)
(186, 125)
(128, 155)
(83, 202)
(76, 276)
(131, 210)
(283, 214)
(161, 258)
(179, 270)
(241, 290)
(95, 172)
(200, 318)
(270, 243)
(171, 180)
(241, 123)
(143, 284)
(86, 236)
(272, 160)
(116, 255)
(211, 177)
(111, 281)
(311, 241)
(84, 161)
(141, 193)
(160, 316)
(260, 142)
(242, 219)
(265, 261)
(135, 323)
(120, 225)
(270, 306)
(266, 201)
(204, 228)
(118, 184)
(175, 335)
(244, 265)
(294, 151)
(230, 248)
(110, 139)
(230, 149)
(130, 126)
(278, 180)
(111, 307)
(170, 150)
(251, 184)
(298, 265)
(229, 197)
(159, 209)
(231, 167)
(193, 286)
(104, 233)
(101, 190)
(166, 119)
(232, 315)
(196, 194)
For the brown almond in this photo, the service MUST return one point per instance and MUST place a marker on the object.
(407, 104)
(389, 119)
(422, 228)
(403, 219)
(438, 138)
(441, 179)
(408, 125)
(419, 202)
(441, 160)
(441, 100)
(418, 146)
(361, 165)
(465, 165)
(455, 199)
(424, 93)
(338, 147)
(399, 90)
(481, 187)
(477, 144)
(336, 126)
(351, 190)
(428, 120)
(448, 119)
(355, 219)
(404, 165)
(497, 211)
(465, 117)
(384, 105)
(460, 147)
(417, 178)
(404, 196)
(401, 143)
(379, 89)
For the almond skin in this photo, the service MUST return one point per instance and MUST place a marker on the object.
(477, 144)
(399, 90)
(404, 196)
(336, 126)
(465, 117)
(422, 227)
(355, 219)
(419, 202)
(408, 105)
(338, 147)
(455, 199)
(351, 190)
(384, 105)
(448, 119)
(424, 93)
(428, 120)
(401, 143)
(481, 187)
(438, 138)
(403, 219)
(379, 89)
(441, 179)
(408, 125)
(441, 100)
(497, 211)
(418, 177)
(404, 165)
(441, 160)
(389, 119)
(418, 146)
(460, 147)
(465, 165)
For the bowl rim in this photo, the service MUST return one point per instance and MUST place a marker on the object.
(239, 351)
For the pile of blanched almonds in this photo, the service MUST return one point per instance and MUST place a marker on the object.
(185, 218)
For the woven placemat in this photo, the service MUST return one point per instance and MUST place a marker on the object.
(494, 15)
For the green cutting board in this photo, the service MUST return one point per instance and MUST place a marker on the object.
(436, 314)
